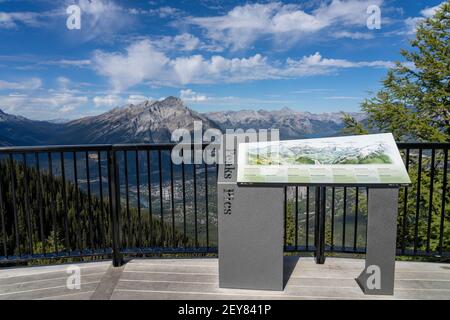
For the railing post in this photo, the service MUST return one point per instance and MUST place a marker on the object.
(114, 181)
(319, 238)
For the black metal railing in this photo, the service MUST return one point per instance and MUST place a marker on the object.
(109, 200)
(423, 217)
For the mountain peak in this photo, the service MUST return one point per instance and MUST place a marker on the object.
(287, 110)
(172, 99)
(9, 117)
(148, 121)
(150, 105)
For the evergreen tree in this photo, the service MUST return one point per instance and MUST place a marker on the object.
(414, 103)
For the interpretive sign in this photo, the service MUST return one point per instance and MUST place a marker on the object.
(351, 160)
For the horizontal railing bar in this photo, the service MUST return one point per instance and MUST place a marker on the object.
(360, 250)
(299, 248)
(98, 147)
(423, 145)
(200, 250)
(168, 146)
(167, 250)
(153, 146)
(56, 148)
(52, 256)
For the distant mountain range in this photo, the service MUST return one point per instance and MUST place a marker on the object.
(292, 124)
(19, 131)
(154, 121)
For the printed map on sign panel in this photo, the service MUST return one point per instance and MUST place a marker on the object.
(352, 160)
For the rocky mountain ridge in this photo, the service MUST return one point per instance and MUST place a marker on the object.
(154, 122)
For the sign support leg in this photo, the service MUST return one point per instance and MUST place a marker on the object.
(379, 274)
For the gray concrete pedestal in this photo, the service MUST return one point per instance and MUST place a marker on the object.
(378, 275)
(250, 237)
(251, 231)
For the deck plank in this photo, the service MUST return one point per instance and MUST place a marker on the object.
(198, 279)
(43, 277)
(47, 283)
(45, 292)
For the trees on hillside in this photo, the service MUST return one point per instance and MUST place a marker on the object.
(414, 104)
(51, 216)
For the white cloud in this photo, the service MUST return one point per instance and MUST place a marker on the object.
(353, 35)
(102, 19)
(50, 102)
(317, 65)
(313, 90)
(62, 100)
(63, 82)
(238, 103)
(162, 12)
(342, 98)
(429, 12)
(412, 23)
(67, 86)
(190, 96)
(186, 41)
(142, 63)
(67, 109)
(69, 63)
(136, 99)
(181, 42)
(44, 106)
(167, 11)
(345, 12)
(30, 84)
(9, 20)
(112, 100)
(107, 101)
(243, 25)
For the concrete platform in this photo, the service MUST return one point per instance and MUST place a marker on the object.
(198, 279)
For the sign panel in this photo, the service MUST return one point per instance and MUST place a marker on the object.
(351, 160)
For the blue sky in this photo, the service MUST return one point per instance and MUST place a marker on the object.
(317, 56)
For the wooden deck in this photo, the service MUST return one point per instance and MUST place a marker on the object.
(198, 279)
